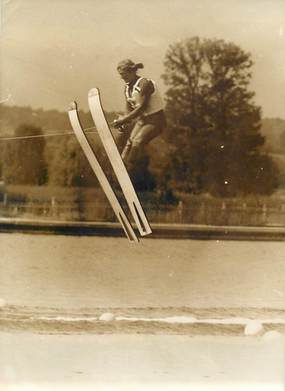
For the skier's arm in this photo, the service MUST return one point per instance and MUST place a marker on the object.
(117, 122)
(147, 89)
(128, 107)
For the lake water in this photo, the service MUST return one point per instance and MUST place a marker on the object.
(75, 272)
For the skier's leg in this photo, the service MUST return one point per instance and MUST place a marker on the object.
(129, 144)
(126, 150)
(147, 133)
(120, 139)
(135, 145)
(121, 136)
(143, 132)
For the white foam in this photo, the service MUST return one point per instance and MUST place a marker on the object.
(66, 318)
(253, 327)
(107, 317)
(191, 319)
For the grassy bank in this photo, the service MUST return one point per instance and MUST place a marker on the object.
(90, 204)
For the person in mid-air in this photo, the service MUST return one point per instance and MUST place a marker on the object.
(144, 111)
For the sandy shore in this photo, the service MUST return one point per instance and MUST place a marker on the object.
(31, 362)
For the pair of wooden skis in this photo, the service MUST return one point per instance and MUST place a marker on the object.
(117, 163)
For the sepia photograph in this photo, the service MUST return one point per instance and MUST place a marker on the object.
(142, 195)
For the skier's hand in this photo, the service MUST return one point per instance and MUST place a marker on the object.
(119, 123)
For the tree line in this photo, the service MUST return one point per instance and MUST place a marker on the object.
(212, 144)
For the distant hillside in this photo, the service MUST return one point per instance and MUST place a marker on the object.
(48, 120)
(13, 116)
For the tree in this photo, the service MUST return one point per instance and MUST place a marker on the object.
(282, 142)
(213, 121)
(67, 164)
(23, 159)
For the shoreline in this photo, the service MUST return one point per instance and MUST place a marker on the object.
(160, 231)
(179, 321)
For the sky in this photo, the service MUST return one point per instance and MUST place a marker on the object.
(54, 51)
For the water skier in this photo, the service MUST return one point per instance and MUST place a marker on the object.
(144, 111)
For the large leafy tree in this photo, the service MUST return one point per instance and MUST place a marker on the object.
(23, 159)
(213, 120)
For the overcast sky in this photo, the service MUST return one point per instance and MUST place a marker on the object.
(54, 51)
